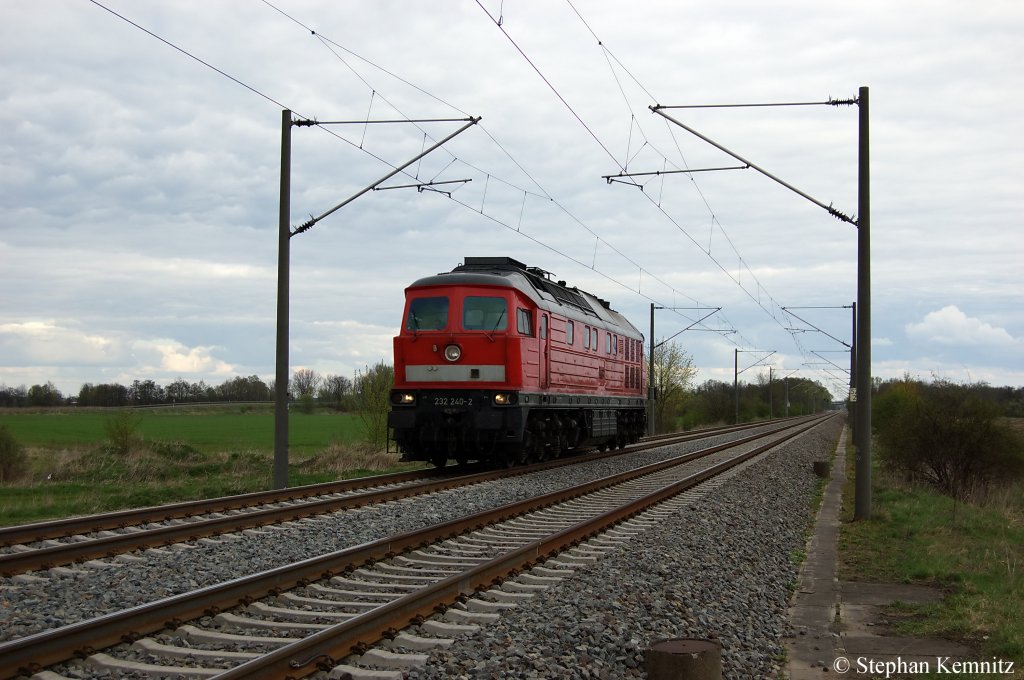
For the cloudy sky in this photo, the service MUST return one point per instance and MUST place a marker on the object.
(139, 187)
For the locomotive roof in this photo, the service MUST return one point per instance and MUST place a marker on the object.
(535, 284)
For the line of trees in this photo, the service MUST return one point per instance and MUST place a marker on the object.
(714, 401)
(952, 436)
(682, 404)
(334, 390)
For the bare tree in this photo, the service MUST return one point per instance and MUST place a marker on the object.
(334, 389)
(305, 382)
(674, 373)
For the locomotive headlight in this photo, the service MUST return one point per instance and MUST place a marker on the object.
(504, 399)
(453, 353)
(405, 398)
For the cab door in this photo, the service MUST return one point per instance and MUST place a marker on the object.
(545, 351)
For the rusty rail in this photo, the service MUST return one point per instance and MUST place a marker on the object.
(70, 526)
(62, 528)
(29, 654)
(323, 650)
(108, 546)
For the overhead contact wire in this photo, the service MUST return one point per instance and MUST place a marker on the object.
(548, 82)
(330, 44)
(189, 54)
(737, 279)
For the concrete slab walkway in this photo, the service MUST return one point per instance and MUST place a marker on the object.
(837, 625)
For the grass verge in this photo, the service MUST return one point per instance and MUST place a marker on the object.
(74, 467)
(96, 480)
(973, 552)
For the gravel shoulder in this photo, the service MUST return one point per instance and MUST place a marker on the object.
(723, 568)
(33, 603)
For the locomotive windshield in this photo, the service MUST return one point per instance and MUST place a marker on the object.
(427, 314)
(484, 314)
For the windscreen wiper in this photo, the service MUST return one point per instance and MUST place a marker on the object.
(496, 324)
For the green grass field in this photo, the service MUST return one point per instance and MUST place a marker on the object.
(974, 552)
(174, 454)
(208, 429)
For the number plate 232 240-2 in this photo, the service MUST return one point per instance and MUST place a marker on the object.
(453, 402)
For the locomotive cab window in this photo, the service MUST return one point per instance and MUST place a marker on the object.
(484, 314)
(427, 314)
(524, 322)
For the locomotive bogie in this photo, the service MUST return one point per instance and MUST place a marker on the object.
(475, 425)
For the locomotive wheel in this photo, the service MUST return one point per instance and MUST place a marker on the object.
(540, 449)
(562, 446)
(524, 452)
(439, 460)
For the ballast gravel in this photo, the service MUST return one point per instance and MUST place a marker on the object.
(720, 568)
(33, 603)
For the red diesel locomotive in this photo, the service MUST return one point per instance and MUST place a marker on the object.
(496, 361)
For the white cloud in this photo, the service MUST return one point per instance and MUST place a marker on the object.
(177, 359)
(950, 326)
(49, 343)
(32, 352)
(143, 222)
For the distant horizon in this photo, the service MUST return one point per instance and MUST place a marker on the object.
(269, 383)
(140, 183)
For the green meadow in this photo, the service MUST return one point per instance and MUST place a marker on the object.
(81, 461)
(208, 429)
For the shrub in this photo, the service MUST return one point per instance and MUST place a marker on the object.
(373, 388)
(122, 431)
(949, 436)
(306, 404)
(895, 401)
(13, 459)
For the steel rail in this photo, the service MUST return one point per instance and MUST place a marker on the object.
(63, 528)
(31, 653)
(108, 546)
(325, 649)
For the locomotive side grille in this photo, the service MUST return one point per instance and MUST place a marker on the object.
(567, 297)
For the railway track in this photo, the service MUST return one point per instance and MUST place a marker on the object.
(309, 616)
(46, 545)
